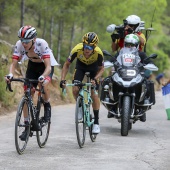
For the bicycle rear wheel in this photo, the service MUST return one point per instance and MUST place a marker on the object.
(92, 135)
(42, 135)
(20, 126)
(80, 123)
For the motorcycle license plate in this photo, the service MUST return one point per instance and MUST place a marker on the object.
(128, 58)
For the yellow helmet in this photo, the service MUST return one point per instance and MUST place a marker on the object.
(91, 38)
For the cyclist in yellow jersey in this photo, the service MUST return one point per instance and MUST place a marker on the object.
(89, 59)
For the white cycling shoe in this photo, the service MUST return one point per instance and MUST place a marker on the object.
(96, 128)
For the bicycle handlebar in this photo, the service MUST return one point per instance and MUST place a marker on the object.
(79, 84)
(23, 80)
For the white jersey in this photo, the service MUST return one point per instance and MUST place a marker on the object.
(41, 49)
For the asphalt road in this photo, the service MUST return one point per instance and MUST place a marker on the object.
(147, 147)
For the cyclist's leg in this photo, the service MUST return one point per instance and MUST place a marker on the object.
(78, 75)
(29, 74)
(95, 106)
(46, 96)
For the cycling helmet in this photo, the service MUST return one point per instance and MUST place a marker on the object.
(131, 39)
(90, 38)
(27, 32)
(135, 21)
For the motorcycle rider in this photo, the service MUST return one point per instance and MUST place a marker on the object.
(132, 41)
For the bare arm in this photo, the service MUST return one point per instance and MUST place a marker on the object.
(47, 67)
(114, 46)
(100, 72)
(65, 70)
(13, 66)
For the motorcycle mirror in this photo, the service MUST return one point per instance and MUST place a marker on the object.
(153, 56)
(106, 53)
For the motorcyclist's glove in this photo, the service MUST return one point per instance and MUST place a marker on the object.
(62, 82)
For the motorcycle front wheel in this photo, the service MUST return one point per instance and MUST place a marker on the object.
(125, 115)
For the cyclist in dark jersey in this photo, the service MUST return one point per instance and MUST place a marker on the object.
(89, 59)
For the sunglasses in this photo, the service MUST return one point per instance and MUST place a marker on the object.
(88, 47)
(129, 45)
(26, 41)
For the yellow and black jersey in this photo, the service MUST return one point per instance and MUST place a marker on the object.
(96, 59)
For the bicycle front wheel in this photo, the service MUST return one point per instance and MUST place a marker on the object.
(80, 122)
(21, 127)
(42, 135)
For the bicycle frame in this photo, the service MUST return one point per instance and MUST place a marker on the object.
(87, 100)
(85, 93)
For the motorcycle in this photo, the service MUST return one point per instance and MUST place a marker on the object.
(127, 94)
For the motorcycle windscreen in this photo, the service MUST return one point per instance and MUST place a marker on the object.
(128, 57)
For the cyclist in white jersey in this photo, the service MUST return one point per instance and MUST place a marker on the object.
(40, 65)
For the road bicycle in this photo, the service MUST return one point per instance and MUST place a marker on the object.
(34, 114)
(83, 104)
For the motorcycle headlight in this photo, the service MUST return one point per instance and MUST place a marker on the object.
(131, 72)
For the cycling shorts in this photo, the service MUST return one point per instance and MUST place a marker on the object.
(79, 75)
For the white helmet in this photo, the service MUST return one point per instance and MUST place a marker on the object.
(131, 39)
(134, 20)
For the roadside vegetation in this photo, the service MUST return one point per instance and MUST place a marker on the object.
(63, 23)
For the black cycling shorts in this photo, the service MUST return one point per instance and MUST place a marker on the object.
(35, 70)
(79, 75)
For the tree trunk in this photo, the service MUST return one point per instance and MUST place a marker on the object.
(22, 13)
(72, 36)
(2, 7)
(60, 35)
(44, 27)
(39, 20)
(51, 32)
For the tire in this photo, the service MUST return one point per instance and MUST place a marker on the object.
(43, 134)
(80, 124)
(92, 135)
(20, 126)
(125, 115)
